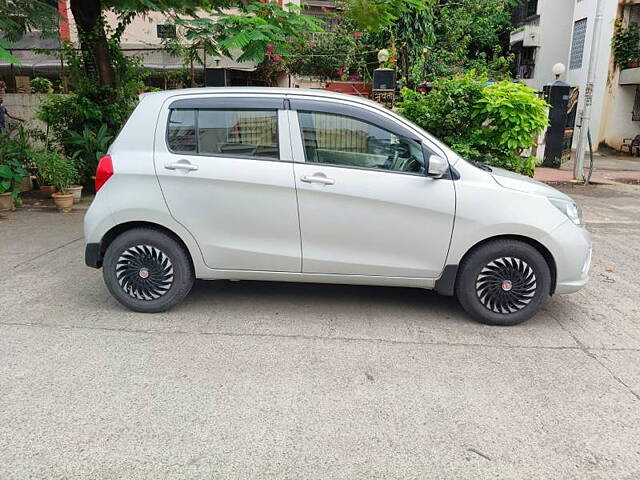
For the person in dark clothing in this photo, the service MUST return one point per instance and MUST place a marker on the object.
(4, 113)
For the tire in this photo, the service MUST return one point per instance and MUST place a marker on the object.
(147, 271)
(504, 282)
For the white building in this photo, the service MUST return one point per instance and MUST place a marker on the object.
(561, 31)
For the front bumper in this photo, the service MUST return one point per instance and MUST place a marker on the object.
(572, 252)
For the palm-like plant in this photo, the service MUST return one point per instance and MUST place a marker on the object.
(87, 148)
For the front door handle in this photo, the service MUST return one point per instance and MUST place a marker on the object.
(181, 165)
(318, 179)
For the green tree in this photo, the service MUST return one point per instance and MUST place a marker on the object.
(255, 30)
(436, 38)
(467, 35)
(92, 28)
(18, 17)
(265, 33)
(377, 15)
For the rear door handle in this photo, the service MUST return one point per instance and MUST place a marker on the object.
(318, 179)
(181, 165)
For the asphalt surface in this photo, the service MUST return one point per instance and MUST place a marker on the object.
(265, 380)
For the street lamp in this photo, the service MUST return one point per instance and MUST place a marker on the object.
(558, 69)
(383, 56)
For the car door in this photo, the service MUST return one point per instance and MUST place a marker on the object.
(224, 166)
(366, 205)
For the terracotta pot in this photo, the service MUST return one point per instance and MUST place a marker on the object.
(46, 191)
(27, 184)
(63, 201)
(76, 190)
(6, 202)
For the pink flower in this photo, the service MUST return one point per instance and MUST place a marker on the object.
(339, 73)
(276, 58)
(271, 48)
(357, 34)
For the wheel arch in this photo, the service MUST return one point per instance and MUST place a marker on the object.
(119, 229)
(447, 283)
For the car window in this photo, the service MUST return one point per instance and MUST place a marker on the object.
(340, 140)
(252, 133)
(181, 134)
(224, 132)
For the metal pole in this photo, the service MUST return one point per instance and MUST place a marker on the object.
(578, 167)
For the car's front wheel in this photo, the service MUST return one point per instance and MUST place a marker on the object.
(503, 282)
(146, 270)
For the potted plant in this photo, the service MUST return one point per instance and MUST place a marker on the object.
(11, 175)
(41, 163)
(76, 191)
(60, 173)
(626, 44)
(86, 149)
(12, 171)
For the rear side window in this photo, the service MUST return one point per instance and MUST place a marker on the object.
(181, 134)
(224, 132)
(249, 133)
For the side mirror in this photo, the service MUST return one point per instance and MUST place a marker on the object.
(437, 166)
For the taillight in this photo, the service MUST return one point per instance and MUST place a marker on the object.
(104, 171)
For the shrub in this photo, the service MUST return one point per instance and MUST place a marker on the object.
(626, 43)
(67, 113)
(92, 105)
(14, 157)
(512, 117)
(489, 124)
(55, 170)
(448, 111)
(41, 85)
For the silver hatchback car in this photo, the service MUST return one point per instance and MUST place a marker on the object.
(311, 186)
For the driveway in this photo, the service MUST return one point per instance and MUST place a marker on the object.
(265, 380)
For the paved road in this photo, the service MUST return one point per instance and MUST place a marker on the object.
(264, 380)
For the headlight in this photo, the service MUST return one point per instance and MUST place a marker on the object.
(570, 209)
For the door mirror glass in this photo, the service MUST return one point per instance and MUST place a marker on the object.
(437, 167)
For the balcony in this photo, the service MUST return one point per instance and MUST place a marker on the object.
(629, 76)
(527, 34)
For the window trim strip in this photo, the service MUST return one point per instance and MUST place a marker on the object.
(215, 102)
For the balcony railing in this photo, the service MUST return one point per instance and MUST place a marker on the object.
(526, 12)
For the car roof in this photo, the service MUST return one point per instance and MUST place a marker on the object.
(320, 93)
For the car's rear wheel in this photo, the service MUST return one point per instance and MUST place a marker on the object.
(503, 282)
(147, 270)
